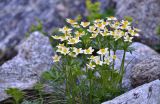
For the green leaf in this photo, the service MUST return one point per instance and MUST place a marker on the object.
(16, 94)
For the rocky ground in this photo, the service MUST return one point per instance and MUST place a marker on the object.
(26, 55)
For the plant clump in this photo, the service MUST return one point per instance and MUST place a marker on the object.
(85, 58)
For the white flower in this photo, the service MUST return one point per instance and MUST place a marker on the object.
(79, 34)
(85, 24)
(105, 33)
(98, 21)
(72, 54)
(99, 25)
(92, 58)
(111, 18)
(70, 21)
(125, 23)
(63, 50)
(98, 62)
(117, 36)
(75, 26)
(133, 33)
(127, 38)
(60, 46)
(103, 51)
(77, 50)
(65, 30)
(93, 35)
(62, 38)
(74, 40)
(88, 51)
(91, 66)
(91, 29)
(107, 61)
(56, 58)
(97, 31)
(115, 25)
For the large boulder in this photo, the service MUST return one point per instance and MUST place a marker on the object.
(145, 94)
(146, 71)
(146, 13)
(141, 52)
(23, 71)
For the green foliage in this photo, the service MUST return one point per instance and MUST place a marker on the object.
(36, 27)
(158, 30)
(128, 18)
(16, 94)
(39, 87)
(94, 11)
(109, 12)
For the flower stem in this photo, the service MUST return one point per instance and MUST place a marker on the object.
(90, 87)
(122, 66)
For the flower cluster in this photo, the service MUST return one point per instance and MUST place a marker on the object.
(97, 31)
(87, 55)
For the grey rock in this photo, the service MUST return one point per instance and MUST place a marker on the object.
(141, 52)
(146, 71)
(17, 16)
(145, 94)
(23, 71)
(146, 13)
(107, 4)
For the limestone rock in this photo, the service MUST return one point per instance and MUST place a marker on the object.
(23, 71)
(145, 94)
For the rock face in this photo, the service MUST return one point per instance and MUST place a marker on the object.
(23, 71)
(145, 94)
(142, 51)
(146, 71)
(17, 16)
(146, 13)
